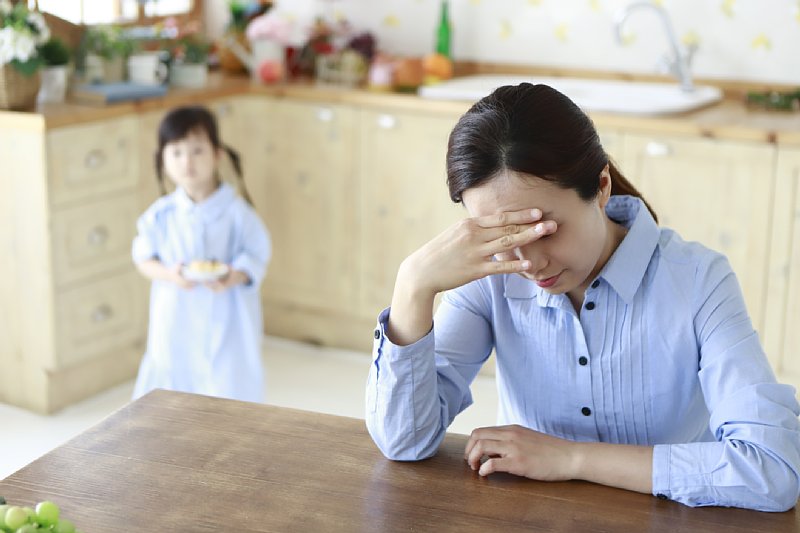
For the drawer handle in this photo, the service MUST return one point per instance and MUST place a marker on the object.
(94, 159)
(325, 114)
(97, 236)
(102, 313)
(658, 149)
(387, 122)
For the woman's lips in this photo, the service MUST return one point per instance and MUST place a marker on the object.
(548, 282)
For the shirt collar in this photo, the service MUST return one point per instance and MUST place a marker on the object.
(210, 208)
(625, 268)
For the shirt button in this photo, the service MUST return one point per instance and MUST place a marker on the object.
(661, 496)
(377, 334)
(582, 361)
(595, 283)
(589, 306)
(586, 411)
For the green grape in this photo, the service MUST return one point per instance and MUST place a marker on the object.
(28, 528)
(47, 513)
(64, 526)
(31, 514)
(3, 509)
(16, 517)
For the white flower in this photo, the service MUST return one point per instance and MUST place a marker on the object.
(42, 31)
(15, 45)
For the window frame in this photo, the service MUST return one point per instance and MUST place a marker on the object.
(195, 13)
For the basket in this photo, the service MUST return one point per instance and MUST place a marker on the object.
(18, 91)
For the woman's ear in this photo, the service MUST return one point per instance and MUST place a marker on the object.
(605, 187)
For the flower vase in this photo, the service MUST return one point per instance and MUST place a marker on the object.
(189, 75)
(18, 91)
(102, 70)
(54, 84)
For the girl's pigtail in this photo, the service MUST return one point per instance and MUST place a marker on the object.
(233, 155)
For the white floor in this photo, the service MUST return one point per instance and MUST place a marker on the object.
(298, 375)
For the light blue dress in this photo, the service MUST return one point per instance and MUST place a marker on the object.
(198, 340)
(663, 353)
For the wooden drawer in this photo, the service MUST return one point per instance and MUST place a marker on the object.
(93, 238)
(92, 159)
(99, 317)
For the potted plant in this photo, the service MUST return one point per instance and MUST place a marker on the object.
(56, 56)
(106, 50)
(189, 61)
(22, 32)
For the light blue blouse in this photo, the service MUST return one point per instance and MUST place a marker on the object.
(663, 353)
(199, 340)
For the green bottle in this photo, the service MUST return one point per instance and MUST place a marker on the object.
(443, 31)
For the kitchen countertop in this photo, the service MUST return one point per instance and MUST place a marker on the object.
(730, 119)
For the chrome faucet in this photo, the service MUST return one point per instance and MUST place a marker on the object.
(678, 63)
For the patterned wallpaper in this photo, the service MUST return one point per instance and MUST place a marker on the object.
(750, 40)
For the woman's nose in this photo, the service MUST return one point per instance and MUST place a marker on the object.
(537, 258)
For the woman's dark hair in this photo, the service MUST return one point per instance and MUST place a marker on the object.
(181, 121)
(531, 129)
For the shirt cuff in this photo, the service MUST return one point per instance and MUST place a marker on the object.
(661, 462)
(383, 345)
(246, 264)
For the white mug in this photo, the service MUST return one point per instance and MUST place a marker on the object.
(147, 68)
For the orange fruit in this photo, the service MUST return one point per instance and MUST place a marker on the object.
(438, 67)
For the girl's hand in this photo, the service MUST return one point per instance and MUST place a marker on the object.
(523, 452)
(176, 277)
(464, 252)
(231, 279)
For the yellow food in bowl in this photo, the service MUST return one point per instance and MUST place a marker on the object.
(204, 266)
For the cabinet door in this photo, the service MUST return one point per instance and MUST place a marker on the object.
(782, 337)
(718, 193)
(404, 196)
(305, 191)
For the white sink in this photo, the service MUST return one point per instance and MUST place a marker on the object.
(637, 98)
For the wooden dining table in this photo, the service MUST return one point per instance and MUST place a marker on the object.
(177, 462)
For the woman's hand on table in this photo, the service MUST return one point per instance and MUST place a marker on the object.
(522, 452)
(532, 454)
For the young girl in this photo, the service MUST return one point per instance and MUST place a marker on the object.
(625, 355)
(203, 337)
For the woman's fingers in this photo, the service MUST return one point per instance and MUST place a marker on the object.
(507, 218)
(505, 244)
(482, 448)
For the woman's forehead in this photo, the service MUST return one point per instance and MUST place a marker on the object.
(513, 191)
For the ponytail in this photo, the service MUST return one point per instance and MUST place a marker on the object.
(233, 155)
(621, 186)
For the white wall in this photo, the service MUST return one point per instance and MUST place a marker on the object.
(749, 40)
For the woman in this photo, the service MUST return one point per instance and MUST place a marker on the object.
(625, 355)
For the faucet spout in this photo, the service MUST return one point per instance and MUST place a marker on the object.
(679, 63)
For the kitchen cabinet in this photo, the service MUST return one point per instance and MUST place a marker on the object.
(303, 178)
(716, 192)
(73, 308)
(403, 196)
(782, 336)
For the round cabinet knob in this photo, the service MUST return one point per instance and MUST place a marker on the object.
(98, 236)
(94, 159)
(102, 313)
(658, 149)
(325, 114)
(387, 122)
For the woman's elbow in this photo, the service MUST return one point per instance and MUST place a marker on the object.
(400, 447)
